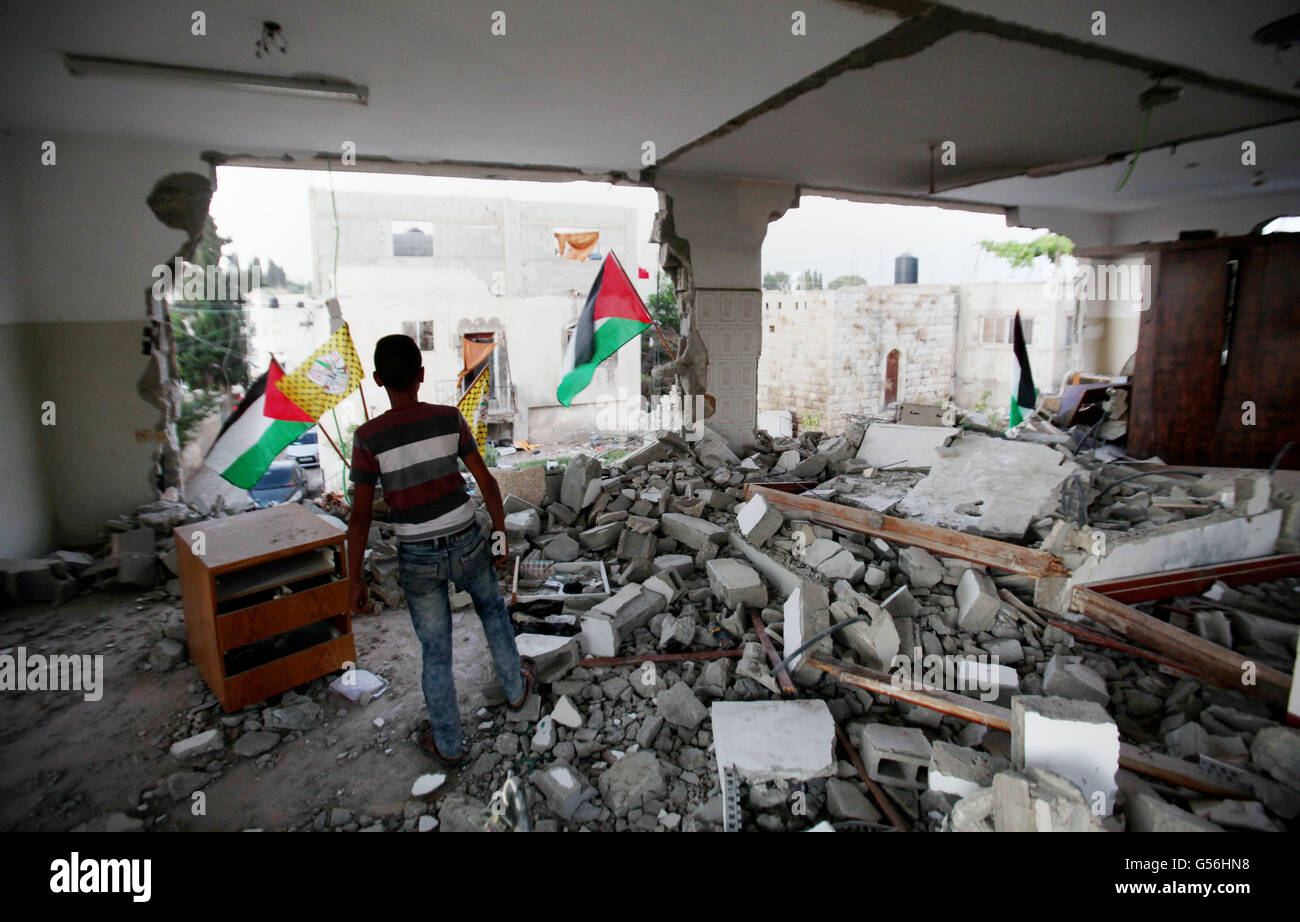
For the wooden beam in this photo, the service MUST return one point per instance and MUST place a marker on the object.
(1195, 580)
(1165, 768)
(974, 548)
(1226, 667)
(1105, 640)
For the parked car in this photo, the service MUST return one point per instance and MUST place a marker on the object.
(304, 449)
(283, 482)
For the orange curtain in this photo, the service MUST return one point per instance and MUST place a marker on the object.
(475, 353)
(576, 246)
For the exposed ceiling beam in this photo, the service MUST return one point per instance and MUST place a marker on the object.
(928, 23)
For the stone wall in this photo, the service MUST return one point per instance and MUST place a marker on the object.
(825, 352)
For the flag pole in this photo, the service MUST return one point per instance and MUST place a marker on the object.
(332, 445)
(660, 329)
(364, 408)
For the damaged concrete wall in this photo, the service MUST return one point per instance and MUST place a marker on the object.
(1110, 332)
(721, 224)
(27, 530)
(84, 257)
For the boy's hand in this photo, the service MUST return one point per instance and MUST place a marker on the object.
(359, 597)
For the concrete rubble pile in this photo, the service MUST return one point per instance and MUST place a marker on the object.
(636, 745)
(688, 728)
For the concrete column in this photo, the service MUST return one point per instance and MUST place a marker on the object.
(711, 230)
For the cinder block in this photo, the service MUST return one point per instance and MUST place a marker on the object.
(896, 755)
(734, 583)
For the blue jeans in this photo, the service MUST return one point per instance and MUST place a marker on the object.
(423, 571)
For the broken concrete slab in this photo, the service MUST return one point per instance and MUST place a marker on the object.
(1067, 677)
(680, 707)
(845, 802)
(1147, 811)
(601, 537)
(734, 583)
(200, 744)
(985, 468)
(1219, 537)
(978, 601)
(564, 788)
(255, 743)
(1039, 800)
(1075, 739)
(691, 531)
(525, 524)
(807, 613)
(552, 656)
(562, 549)
(958, 770)
(759, 520)
(581, 482)
(1276, 751)
(771, 740)
(922, 569)
(903, 447)
(631, 781)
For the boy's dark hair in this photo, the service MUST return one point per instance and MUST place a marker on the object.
(397, 361)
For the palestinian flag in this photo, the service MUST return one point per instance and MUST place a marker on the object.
(262, 425)
(1023, 396)
(613, 315)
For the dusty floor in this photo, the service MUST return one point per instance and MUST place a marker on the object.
(65, 761)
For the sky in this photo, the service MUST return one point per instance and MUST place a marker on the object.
(265, 212)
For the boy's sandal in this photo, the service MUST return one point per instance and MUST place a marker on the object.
(430, 748)
(530, 673)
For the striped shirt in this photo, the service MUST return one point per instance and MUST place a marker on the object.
(413, 453)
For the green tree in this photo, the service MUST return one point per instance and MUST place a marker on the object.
(810, 280)
(776, 281)
(844, 281)
(1022, 255)
(663, 307)
(663, 304)
(211, 336)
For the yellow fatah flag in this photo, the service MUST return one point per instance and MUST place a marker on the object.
(331, 373)
(473, 406)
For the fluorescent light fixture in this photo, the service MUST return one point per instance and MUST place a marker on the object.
(81, 65)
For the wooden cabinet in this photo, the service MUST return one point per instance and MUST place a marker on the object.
(266, 601)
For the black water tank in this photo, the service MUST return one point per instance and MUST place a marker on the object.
(905, 269)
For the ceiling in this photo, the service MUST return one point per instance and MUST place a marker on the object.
(722, 88)
(572, 83)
